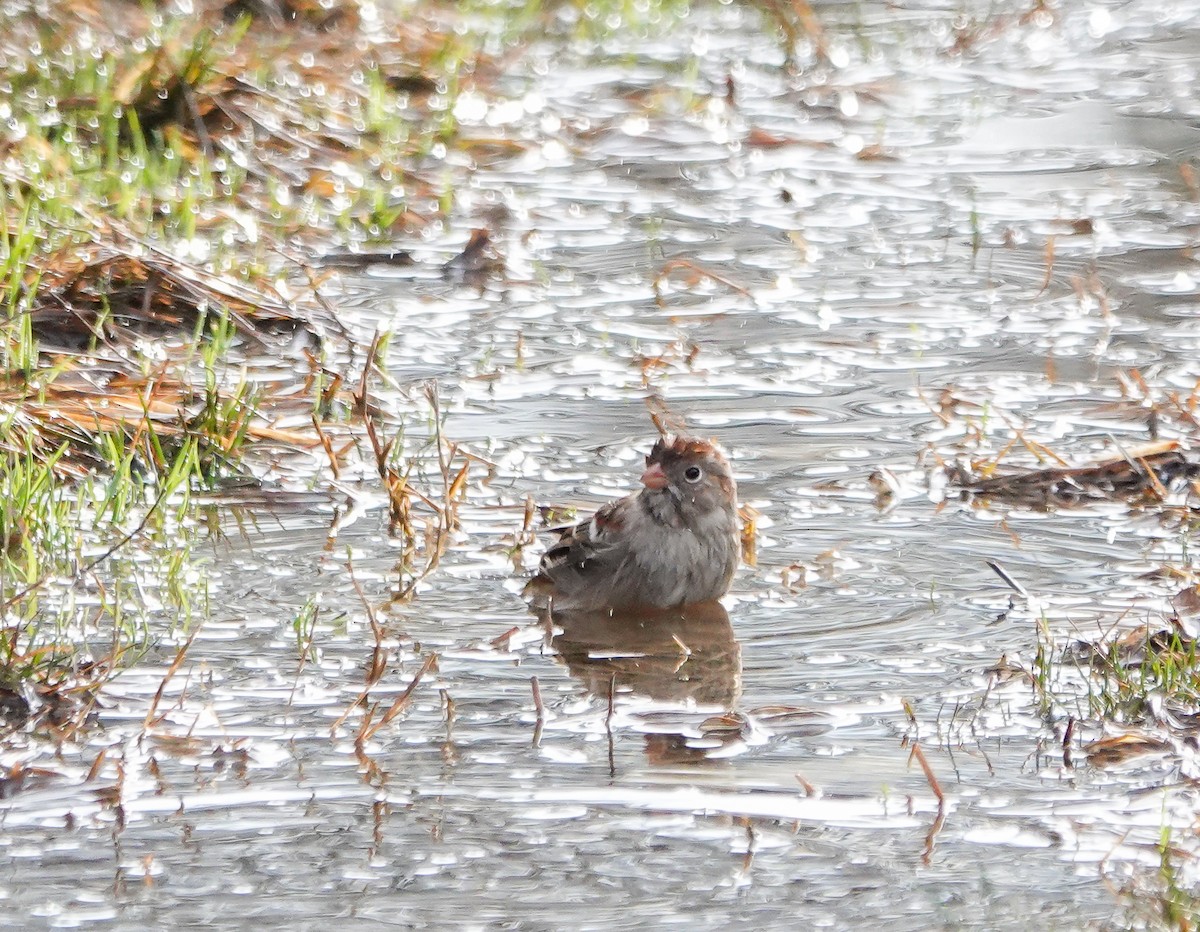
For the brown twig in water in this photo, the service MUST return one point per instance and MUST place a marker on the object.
(369, 730)
(664, 419)
(378, 655)
(334, 463)
(449, 709)
(502, 642)
(171, 671)
(379, 659)
(1049, 253)
(931, 836)
(751, 844)
(97, 764)
(933, 783)
(401, 492)
(673, 264)
(940, 819)
(540, 709)
(612, 692)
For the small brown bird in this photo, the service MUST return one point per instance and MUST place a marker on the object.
(674, 542)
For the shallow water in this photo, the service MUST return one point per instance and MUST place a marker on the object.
(842, 313)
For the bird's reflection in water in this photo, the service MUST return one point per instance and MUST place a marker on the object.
(686, 656)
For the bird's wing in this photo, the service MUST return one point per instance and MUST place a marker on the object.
(586, 543)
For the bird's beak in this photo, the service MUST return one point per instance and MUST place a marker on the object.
(654, 477)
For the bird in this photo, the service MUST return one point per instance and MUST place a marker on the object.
(674, 542)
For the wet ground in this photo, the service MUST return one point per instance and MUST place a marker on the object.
(914, 251)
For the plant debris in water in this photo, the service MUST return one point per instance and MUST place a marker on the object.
(181, 197)
(163, 177)
(104, 294)
(1145, 474)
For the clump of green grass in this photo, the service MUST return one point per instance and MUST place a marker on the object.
(221, 137)
(72, 605)
(1161, 664)
(1161, 897)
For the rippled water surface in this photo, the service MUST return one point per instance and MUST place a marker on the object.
(918, 252)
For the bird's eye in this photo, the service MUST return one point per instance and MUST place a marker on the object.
(692, 474)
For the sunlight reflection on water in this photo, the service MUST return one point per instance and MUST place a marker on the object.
(861, 301)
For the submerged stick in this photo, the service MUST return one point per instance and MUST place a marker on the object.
(401, 701)
(539, 708)
(171, 671)
(1003, 574)
(917, 753)
(940, 819)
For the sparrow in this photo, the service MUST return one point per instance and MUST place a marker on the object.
(674, 542)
